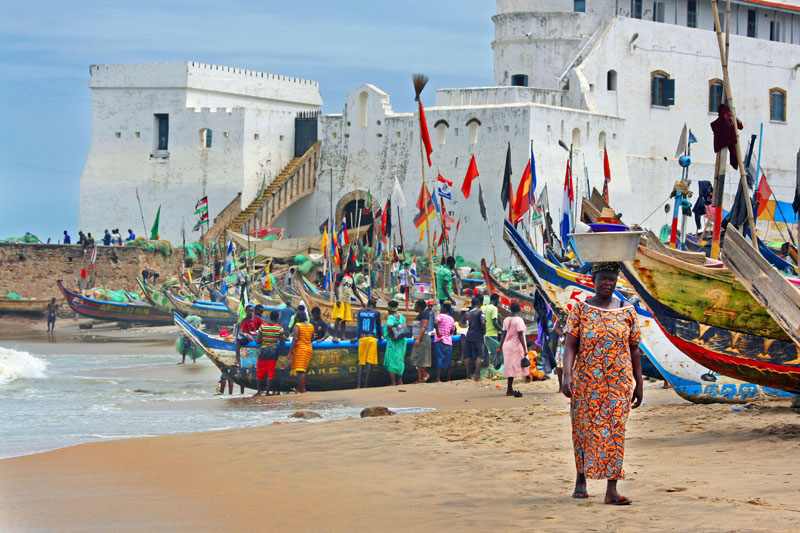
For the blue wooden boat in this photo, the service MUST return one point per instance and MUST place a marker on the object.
(333, 366)
(114, 311)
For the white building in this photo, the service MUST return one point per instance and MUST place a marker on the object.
(624, 74)
(180, 131)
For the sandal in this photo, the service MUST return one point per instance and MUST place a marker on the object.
(517, 394)
(580, 494)
(619, 500)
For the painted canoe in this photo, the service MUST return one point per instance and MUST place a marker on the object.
(333, 366)
(690, 380)
(710, 296)
(29, 307)
(114, 311)
(155, 297)
(507, 296)
(212, 315)
(756, 359)
(779, 297)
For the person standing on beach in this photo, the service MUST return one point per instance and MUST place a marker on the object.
(515, 349)
(421, 353)
(473, 345)
(269, 335)
(343, 292)
(603, 378)
(443, 342)
(493, 326)
(52, 311)
(368, 334)
(67, 238)
(301, 351)
(248, 330)
(444, 280)
(395, 356)
(320, 326)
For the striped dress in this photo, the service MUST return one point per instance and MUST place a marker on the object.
(303, 350)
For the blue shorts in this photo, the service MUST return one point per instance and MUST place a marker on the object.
(443, 354)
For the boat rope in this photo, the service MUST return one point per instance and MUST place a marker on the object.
(654, 210)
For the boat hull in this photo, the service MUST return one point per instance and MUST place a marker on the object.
(26, 307)
(113, 311)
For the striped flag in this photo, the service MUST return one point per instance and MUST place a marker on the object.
(566, 206)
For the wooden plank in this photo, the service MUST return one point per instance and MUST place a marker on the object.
(763, 282)
(694, 258)
(590, 212)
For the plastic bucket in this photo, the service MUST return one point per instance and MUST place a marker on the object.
(606, 246)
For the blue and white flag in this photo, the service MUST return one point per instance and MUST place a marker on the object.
(444, 191)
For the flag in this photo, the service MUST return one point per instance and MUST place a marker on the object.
(682, 142)
(343, 238)
(423, 198)
(335, 245)
(368, 202)
(434, 240)
(424, 215)
(472, 173)
(154, 229)
(606, 173)
(423, 127)
(324, 248)
(228, 264)
(137, 195)
(447, 220)
(435, 202)
(243, 301)
(442, 179)
(533, 176)
(444, 192)
(387, 220)
(763, 194)
(201, 206)
(522, 202)
(506, 190)
(566, 206)
(482, 203)
(399, 197)
(692, 138)
(323, 227)
(202, 220)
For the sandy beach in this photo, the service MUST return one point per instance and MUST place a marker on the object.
(480, 462)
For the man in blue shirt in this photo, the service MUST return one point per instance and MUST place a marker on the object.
(107, 239)
(131, 235)
(368, 334)
(67, 238)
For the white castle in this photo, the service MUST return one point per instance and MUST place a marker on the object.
(622, 74)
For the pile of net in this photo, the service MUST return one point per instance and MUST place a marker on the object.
(160, 246)
(13, 295)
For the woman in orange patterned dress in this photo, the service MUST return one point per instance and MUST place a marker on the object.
(300, 354)
(603, 377)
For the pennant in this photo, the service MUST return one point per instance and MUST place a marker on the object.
(566, 205)
(399, 197)
(606, 173)
(506, 190)
(763, 194)
(442, 179)
(482, 203)
(692, 138)
(682, 142)
(154, 229)
(472, 173)
(522, 201)
(423, 127)
(201, 206)
(202, 220)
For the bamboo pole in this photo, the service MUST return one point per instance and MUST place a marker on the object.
(716, 199)
(488, 224)
(424, 208)
(723, 51)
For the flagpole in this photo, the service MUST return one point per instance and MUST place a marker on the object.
(141, 213)
(488, 223)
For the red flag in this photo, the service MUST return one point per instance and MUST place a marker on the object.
(441, 239)
(137, 194)
(423, 198)
(472, 173)
(458, 224)
(762, 194)
(423, 127)
(522, 202)
(445, 180)
(606, 173)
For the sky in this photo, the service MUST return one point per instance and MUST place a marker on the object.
(46, 49)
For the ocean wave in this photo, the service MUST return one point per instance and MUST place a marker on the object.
(15, 365)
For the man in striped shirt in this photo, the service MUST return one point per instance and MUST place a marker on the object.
(269, 335)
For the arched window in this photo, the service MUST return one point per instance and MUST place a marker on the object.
(473, 124)
(611, 80)
(662, 89)
(441, 130)
(576, 139)
(777, 104)
(205, 138)
(362, 108)
(715, 93)
(601, 141)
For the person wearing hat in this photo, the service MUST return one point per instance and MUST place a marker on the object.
(394, 359)
(602, 376)
(248, 329)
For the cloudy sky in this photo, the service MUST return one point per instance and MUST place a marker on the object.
(46, 49)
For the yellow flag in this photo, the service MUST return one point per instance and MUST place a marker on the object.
(324, 247)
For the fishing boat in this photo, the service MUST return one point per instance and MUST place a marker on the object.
(690, 380)
(211, 315)
(507, 296)
(114, 311)
(28, 306)
(710, 296)
(155, 297)
(779, 297)
(333, 366)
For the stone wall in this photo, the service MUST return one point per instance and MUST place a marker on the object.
(32, 269)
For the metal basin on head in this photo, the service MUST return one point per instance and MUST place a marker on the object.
(606, 246)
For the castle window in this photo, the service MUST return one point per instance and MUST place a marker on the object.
(774, 30)
(658, 11)
(137, 134)
(441, 130)
(636, 9)
(715, 92)
(601, 141)
(205, 138)
(518, 80)
(662, 89)
(225, 134)
(777, 105)
(118, 135)
(473, 124)
(162, 131)
(255, 136)
(752, 25)
(611, 80)
(691, 13)
(576, 139)
(579, 6)
(362, 108)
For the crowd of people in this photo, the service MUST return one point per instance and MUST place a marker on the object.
(110, 238)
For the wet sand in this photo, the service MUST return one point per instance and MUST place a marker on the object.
(489, 463)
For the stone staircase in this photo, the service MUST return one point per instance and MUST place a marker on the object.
(296, 181)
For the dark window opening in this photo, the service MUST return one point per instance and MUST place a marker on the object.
(751, 23)
(662, 90)
(162, 122)
(777, 107)
(658, 11)
(519, 80)
(714, 96)
(611, 80)
(352, 211)
(774, 30)
(691, 13)
(636, 9)
(580, 6)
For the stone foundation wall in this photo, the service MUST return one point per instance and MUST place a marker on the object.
(32, 269)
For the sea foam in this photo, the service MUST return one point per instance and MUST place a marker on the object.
(15, 365)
